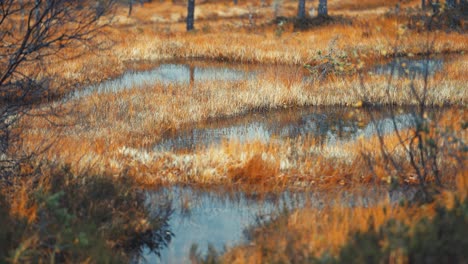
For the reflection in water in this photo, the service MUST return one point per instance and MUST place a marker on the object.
(196, 72)
(193, 72)
(222, 218)
(326, 125)
(404, 67)
(175, 73)
(204, 218)
(153, 240)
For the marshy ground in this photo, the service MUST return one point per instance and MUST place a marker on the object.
(271, 136)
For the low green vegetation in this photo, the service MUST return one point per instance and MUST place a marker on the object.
(74, 219)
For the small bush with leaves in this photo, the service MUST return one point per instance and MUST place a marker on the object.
(331, 62)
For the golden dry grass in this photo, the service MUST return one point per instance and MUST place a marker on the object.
(373, 39)
(111, 133)
(125, 149)
(156, 31)
(109, 130)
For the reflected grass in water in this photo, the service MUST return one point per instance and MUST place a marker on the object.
(193, 72)
(329, 126)
(174, 73)
(410, 67)
(225, 217)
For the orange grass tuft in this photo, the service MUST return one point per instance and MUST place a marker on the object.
(257, 170)
(20, 205)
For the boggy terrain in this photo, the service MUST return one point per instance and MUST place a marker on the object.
(253, 100)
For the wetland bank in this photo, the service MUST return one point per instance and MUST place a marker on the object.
(332, 139)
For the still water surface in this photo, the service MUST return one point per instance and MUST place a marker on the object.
(326, 125)
(194, 72)
(222, 218)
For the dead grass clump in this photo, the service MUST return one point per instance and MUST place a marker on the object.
(258, 170)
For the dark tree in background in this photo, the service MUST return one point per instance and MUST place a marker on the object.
(190, 15)
(323, 8)
(301, 10)
(33, 33)
(451, 3)
(130, 7)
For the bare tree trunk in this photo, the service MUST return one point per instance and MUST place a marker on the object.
(190, 15)
(130, 7)
(322, 8)
(301, 12)
(435, 6)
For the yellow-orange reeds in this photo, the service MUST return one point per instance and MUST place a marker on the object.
(106, 124)
(312, 232)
